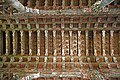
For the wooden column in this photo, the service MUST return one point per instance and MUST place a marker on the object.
(38, 42)
(71, 49)
(38, 38)
(46, 42)
(54, 3)
(95, 50)
(111, 42)
(63, 51)
(46, 47)
(63, 4)
(7, 43)
(71, 44)
(14, 42)
(89, 3)
(79, 48)
(95, 40)
(18, 43)
(30, 42)
(46, 3)
(54, 46)
(79, 39)
(80, 4)
(22, 42)
(37, 6)
(104, 46)
(54, 43)
(87, 50)
(103, 43)
(7, 40)
(79, 43)
(72, 3)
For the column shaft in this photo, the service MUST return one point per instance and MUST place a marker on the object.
(63, 4)
(103, 43)
(14, 42)
(7, 43)
(54, 43)
(63, 53)
(30, 42)
(54, 3)
(46, 42)
(71, 44)
(22, 42)
(54, 47)
(72, 1)
(46, 3)
(95, 50)
(87, 48)
(80, 3)
(79, 43)
(38, 42)
(89, 3)
(111, 42)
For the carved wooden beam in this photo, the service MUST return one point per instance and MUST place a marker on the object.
(18, 6)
